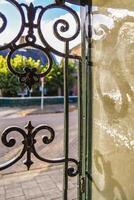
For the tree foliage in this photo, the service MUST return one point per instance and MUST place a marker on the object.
(10, 85)
(55, 79)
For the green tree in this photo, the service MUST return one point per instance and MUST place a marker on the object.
(9, 83)
(54, 81)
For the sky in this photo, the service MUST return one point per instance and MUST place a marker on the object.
(14, 22)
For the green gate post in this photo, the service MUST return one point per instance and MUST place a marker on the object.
(85, 144)
(89, 105)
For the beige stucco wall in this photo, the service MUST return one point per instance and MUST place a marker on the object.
(113, 104)
(127, 4)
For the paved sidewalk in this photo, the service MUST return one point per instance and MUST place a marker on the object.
(14, 112)
(36, 185)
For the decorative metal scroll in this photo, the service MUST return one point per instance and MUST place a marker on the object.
(31, 20)
(30, 76)
(29, 142)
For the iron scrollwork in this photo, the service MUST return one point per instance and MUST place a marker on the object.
(4, 20)
(31, 76)
(31, 20)
(29, 142)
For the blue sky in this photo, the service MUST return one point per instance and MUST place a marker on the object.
(14, 22)
(46, 2)
(14, 18)
(53, 14)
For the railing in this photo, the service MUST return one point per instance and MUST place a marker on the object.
(31, 76)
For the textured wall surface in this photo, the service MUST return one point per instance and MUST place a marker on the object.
(113, 104)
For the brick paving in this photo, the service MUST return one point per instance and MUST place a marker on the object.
(36, 185)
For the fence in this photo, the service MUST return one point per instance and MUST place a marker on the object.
(33, 101)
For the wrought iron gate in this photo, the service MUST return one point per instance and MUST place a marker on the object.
(31, 18)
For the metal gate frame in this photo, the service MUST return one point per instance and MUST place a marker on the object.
(31, 76)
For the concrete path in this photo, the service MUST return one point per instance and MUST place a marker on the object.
(36, 185)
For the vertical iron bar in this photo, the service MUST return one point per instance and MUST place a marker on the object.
(66, 122)
(80, 126)
(89, 106)
(83, 143)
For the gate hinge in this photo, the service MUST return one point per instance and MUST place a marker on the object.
(83, 184)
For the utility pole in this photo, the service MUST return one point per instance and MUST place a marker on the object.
(42, 93)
